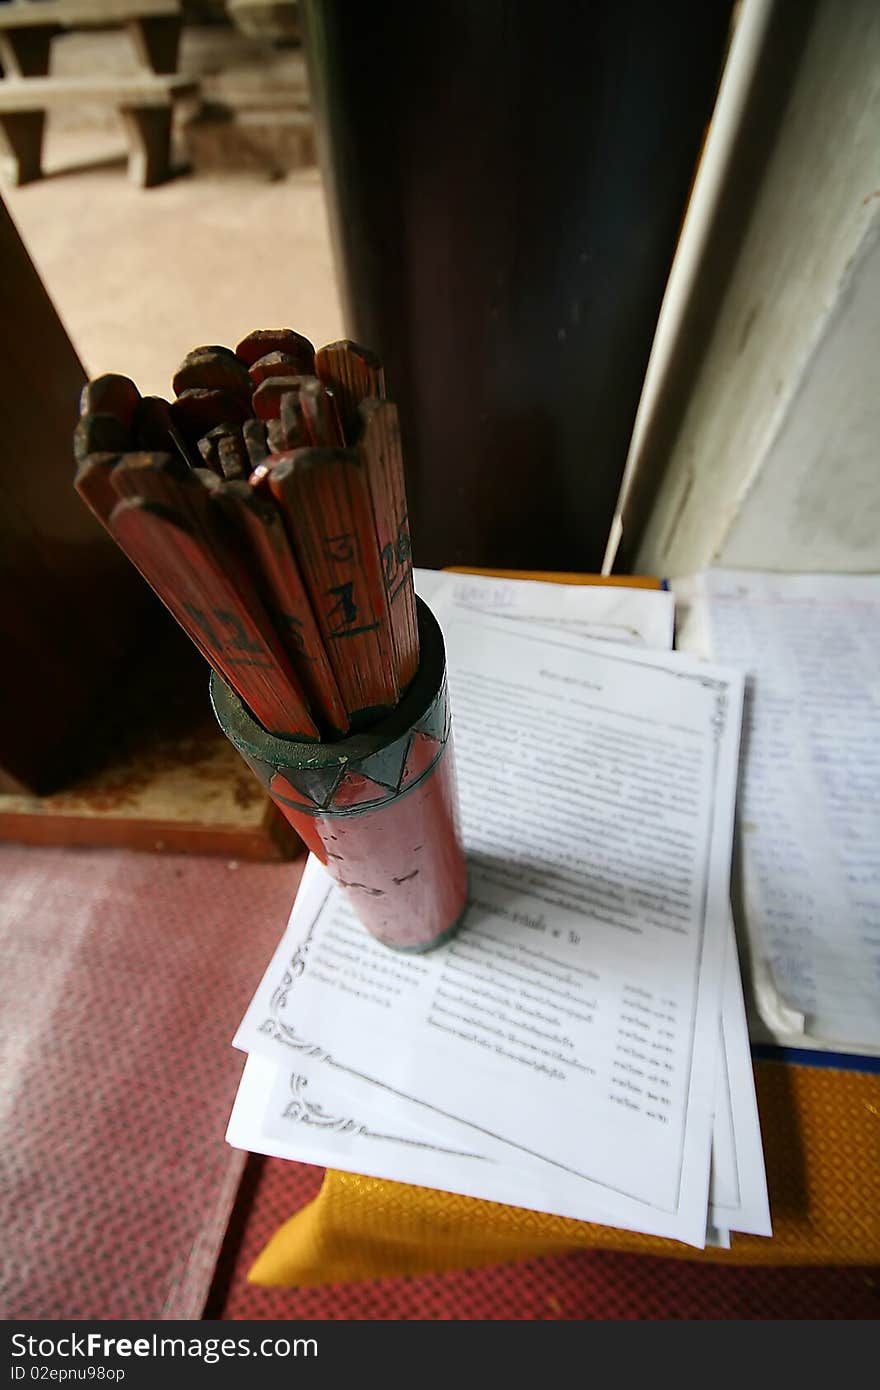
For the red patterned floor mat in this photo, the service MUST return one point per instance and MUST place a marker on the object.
(123, 979)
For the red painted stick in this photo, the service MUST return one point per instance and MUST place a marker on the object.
(276, 437)
(274, 364)
(254, 435)
(266, 340)
(209, 447)
(94, 485)
(259, 523)
(325, 498)
(151, 477)
(267, 396)
(234, 634)
(198, 410)
(354, 374)
(380, 452)
(212, 369)
(99, 434)
(292, 433)
(234, 462)
(259, 479)
(154, 429)
(111, 394)
(320, 415)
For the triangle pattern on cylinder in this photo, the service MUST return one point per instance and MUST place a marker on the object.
(312, 787)
(434, 720)
(423, 751)
(386, 766)
(357, 790)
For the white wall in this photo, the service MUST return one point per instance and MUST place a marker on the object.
(815, 502)
(774, 458)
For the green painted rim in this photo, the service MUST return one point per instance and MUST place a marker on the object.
(252, 740)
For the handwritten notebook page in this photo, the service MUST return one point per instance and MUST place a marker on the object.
(600, 858)
(635, 617)
(809, 815)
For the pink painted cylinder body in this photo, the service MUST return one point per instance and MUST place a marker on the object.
(379, 809)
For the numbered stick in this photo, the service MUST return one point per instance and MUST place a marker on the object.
(233, 634)
(380, 452)
(325, 498)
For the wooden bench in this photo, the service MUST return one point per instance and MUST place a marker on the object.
(145, 100)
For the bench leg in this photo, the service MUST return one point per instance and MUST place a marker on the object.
(149, 143)
(24, 53)
(21, 145)
(156, 41)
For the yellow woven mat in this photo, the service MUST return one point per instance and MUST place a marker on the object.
(821, 1131)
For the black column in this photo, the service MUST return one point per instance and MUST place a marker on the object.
(506, 184)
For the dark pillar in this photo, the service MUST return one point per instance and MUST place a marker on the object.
(506, 183)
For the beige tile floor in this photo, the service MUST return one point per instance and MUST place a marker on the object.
(139, 277)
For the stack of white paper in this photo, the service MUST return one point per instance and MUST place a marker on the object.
(580, 1047)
